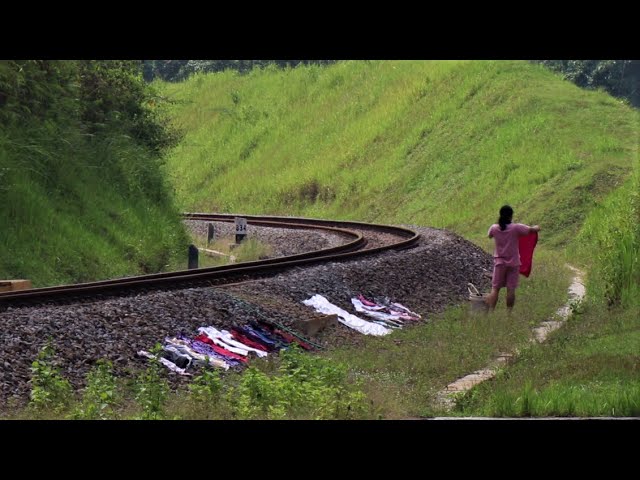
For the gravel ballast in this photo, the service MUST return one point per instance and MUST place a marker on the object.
(426, 279)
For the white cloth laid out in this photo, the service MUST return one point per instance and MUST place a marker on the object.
(170, 365)
(323, 305)
(385, 305)
(360, 307)
(225, 340)
(217, 339)
(403, 312)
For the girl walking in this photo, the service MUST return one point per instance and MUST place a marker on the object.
(506, 256)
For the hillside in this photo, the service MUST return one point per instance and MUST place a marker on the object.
(439, 143)
(81, 190)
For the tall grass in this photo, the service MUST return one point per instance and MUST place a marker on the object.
(588, 368)
(611, 240)
(77, 208)
(441, 143)
(590, 399)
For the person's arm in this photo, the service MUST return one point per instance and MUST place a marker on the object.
(535, 228)
(490, 234)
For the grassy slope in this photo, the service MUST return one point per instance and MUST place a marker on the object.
(431, 143)
(77, 211)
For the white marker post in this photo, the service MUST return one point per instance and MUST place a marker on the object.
(241, 229)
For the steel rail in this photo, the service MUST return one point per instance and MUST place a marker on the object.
(185, 278)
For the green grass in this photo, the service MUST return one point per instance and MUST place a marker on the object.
(291, 385)
(588, 368)
(77, 210)
(395, 141)
(610, 243)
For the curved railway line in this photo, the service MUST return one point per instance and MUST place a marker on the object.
(363, 239)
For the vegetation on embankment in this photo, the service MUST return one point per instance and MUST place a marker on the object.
(82, 194)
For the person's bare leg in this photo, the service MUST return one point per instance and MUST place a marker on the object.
(492, 299)
(511, 298)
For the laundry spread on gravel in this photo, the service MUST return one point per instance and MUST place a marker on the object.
(384, 311)
(322, 305)
(223, 348)
(387, 315)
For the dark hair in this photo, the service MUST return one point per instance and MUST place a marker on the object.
(506, 214)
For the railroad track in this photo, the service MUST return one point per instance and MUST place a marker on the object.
(363, 239)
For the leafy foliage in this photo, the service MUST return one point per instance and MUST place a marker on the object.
(113, 93)
(49, 390)
(621, 78)
(152, 389)
(100, 397)
(177, 70)
(305, 386)
(99, 95)
(82, 144)
(206, 387)
(37, 89)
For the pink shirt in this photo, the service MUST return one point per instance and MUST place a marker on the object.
(506, 251)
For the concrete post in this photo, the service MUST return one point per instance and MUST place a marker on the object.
(193, 257)
(210, 234)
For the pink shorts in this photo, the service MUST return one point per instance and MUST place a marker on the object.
(504, 276)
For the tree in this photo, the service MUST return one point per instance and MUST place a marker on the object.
(621, 78)
(177, 70)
